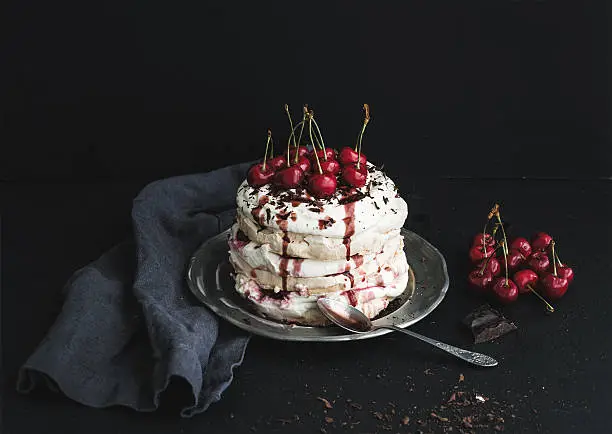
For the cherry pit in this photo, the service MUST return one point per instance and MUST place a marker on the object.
(506, 269)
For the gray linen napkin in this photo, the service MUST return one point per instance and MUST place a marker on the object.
(128, 324)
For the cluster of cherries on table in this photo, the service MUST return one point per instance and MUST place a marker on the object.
(535, 265)
(320, 169)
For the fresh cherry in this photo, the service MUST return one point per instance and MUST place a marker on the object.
(330, 166)
(354, 176)
(301, 150)
(304, 164)
(565, 272)
(522, 245)
(526, 280)
(505, 289)
(329, 153)
(258, 176)
(290, 177)
(322, 185)
(480, 281)
(488, 240)
(491, 265)
(350, 156)
(514, 259)
(478, 253)
(541, 241)
(554, 286)
(278, 162)
(538, 262)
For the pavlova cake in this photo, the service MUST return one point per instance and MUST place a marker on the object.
(313, 223)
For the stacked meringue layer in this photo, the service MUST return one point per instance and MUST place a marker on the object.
(288, 249)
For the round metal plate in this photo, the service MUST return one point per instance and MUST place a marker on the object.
(209, 278)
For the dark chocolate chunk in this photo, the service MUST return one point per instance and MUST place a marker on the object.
(487, 324)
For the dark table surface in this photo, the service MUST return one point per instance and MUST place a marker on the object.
(554, 371)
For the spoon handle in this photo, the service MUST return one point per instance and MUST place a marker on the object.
(468, 356)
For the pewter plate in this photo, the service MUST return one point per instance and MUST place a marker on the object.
(209, 278)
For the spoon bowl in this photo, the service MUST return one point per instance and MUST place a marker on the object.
(352, 319)
(345, 315)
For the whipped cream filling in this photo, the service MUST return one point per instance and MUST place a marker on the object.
(262, 257)
(349, 212)
(296, 308)
(321, 247)
(379, 272)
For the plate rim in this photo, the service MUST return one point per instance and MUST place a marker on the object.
(284, 334)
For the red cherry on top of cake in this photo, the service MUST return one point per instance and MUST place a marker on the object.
(304, 164)
(278, 162)
(289, 177)
(331, 166)
(355, 176)
(322, 185)
(258, 176)
(350, 156)
(302, 151)
(323, 155)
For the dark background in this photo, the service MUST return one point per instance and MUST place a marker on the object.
(142, 90)
(100, 98)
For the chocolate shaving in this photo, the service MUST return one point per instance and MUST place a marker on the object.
(352, 198)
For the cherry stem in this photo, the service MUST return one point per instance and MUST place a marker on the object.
(484, 235)
(266, 154)
(310, 134)
(494, 231)
(505, 246)
(366, 120)
(288, 152)
(299, 140)
(558, 260)
(548, 305)
(290, 124)
(293, 134)
(322, 144)
(488, 259)
(552, 246)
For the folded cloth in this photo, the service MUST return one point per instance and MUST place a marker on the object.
(129, 324)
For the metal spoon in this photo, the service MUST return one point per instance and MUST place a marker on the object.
(352, 319)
